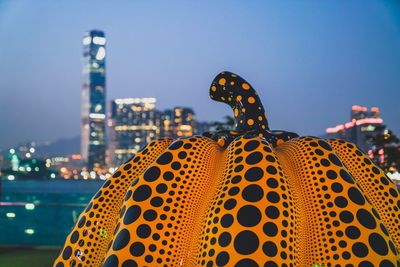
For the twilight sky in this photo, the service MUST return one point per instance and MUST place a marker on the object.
(309, 60)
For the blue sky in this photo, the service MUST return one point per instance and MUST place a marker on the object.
(309, 60)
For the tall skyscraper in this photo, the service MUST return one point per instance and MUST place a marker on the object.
(93, 124)
(133, 123)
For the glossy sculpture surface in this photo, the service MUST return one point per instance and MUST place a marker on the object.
(251, 197)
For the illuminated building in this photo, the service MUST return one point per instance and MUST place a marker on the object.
(364, 124)
(166, 124)
(133, 123)
(93, 114)
(183, 121)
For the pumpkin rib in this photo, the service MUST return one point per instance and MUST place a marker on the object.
(291, 169)
(89, 239)
(335, 200)
(252, 212)
(179, 180)
(217, 166)
(376, 186)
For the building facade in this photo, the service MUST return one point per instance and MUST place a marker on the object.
(133, 122)
(183, 123)
(93, 114)
(364, 125)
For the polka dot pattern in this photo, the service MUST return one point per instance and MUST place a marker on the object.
(380, 191)
(94, 230)
(248, 111)
(339, 225)
(193, 203)
(168, 205)
(252, 214)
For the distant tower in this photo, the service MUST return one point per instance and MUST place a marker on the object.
(93, 141)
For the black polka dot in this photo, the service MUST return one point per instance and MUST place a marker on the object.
(341, 202)
(272, 212)
(148, 258)
(272, 183)
(393, 192)
(353, 232)
(226, 220)
(324, 145)
(74, 237)
(111, 261)
(224, 239)
(129, 263)
(165, 158)
(331, 174)
(272, 170)
(251, 145)
(176, 165)
(117, 174)
(230, 204)
(222, 258)
(67, 253)
(233, 191)
(249, 216)
(121, 240)
(252, 193)
(156, 201)
(182, 155)
(366, 219)
(270, 264)
(143, 231)
(246, 263)
(254, 174)
(270, 229)
(150, 215)
(81, 222)
(161, 188)
(137, 249)
(152, 174)
(365, 264)
(273, 197)
(335, 160)
(270, 249)
(132, 214)
(378, 244)
(386, 263)
(360, 250)
(356, 196)
(246, 242)
(175, 145)
(346, 216)
(254, 158)
(142, 193)
(337, 188)
(346, 176)
(168, 176)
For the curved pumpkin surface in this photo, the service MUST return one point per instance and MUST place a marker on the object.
(261, 198)
(93, 231)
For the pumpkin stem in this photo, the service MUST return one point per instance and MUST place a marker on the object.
(247, 108)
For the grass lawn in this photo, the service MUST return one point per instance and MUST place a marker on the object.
(23, 257)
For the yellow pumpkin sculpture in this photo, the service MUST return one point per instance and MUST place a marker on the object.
(252, 197)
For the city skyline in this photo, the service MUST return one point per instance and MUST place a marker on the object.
(302, 91)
